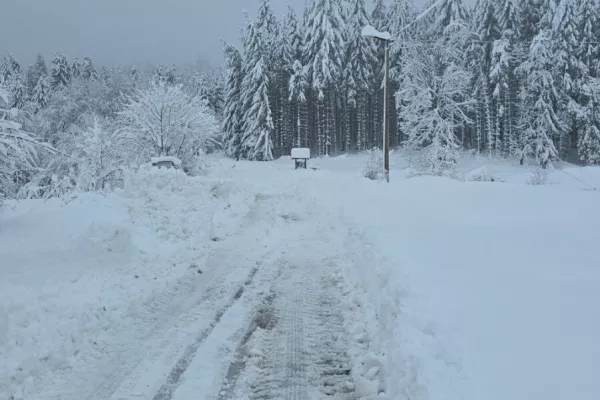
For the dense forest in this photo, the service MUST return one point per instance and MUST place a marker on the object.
(509, 78)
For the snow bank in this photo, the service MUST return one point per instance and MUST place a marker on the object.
(73, 274)
(57, 269)
(478, 290)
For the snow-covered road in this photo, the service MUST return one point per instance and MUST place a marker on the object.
(253, 308)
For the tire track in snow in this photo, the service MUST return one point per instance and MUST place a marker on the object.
(265, 319)
(173, 380)
(112, 370)
(303, 355)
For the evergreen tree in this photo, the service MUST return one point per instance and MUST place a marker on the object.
(61, 71)
(324, 46)
(257, 129)
(88, 70)
(449, 13)
(232, 114)
(296, 75)
(488, 83)
(360, 57)
(10, 69)
(298, 88)
(76, 68)
(436, 99)
(34, 73)
(588, 53)
(531, 14)
(571, 75)
(379, 16)
(41, 92)
(542, 122)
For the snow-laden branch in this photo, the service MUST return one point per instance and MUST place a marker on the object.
(164, 120)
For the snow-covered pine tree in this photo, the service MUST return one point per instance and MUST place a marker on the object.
(324, 44)
(507, 57)
(34, 73)
(61, 71)
(486, 26)
(167, 75)
(267, 27)
(435, 96)
(379, 16)
(541, 122)
(19, 93)
(10, 69)
(401, 14)
(571, 76)
(588, 53)
(88, 70)
(298, 89)
(232, 113)
(76, 68)
(360, 57)
(41, 93)
(589, 137)
(502, 77)
(297, 85)
(449, 13)
(531, 13)
(257, 128)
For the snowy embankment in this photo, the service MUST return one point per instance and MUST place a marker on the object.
(480, 290)
(76, 277)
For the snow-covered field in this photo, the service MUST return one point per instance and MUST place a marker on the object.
(181, 288)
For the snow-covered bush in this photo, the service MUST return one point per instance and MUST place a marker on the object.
(89, 158)
(18, 150)
(164, 120)
(539, 176)
(97, 150)
(437, 159)
(374, 165)
(480, 175)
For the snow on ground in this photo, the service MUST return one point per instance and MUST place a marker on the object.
(479, 289)
(448, 289)
(76, 277)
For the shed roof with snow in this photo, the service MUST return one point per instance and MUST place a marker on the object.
(301, 152)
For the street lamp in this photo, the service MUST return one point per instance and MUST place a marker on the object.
(369, 32)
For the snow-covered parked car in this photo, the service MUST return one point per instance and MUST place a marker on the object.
(166, 161)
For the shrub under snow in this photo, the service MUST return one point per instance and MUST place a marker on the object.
(374, 165)
(164, 120)
(480, 175)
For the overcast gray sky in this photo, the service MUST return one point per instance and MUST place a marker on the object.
(126, 31)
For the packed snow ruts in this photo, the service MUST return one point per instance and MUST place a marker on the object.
(167, 389)
(295, 347)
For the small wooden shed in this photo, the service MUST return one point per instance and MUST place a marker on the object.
(300, 155)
